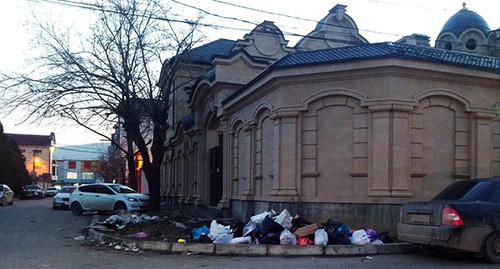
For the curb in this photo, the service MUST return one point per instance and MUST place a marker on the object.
(256, 250)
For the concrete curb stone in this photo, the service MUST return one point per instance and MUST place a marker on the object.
(256, 250)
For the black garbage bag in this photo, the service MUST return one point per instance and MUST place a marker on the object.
(270, 226)
(270, 239)
(331, 229)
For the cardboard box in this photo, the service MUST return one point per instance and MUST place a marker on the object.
(306, 230)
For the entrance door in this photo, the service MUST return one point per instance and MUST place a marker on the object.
(215, 175)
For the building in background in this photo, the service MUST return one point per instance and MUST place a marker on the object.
(80, 164)
(38, 151)
(334, 126)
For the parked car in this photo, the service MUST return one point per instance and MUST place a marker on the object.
(6, 195)
(107, 197)
(32, 191)
(464, 216)
(52, 191)
(61, 199)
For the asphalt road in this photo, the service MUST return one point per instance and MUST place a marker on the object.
(32, 235)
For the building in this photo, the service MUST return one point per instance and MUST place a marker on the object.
(80, 164)
(38, 153)
(334, 127)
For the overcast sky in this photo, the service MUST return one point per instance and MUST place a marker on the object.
(377, 20)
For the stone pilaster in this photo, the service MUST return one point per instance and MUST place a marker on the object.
(380, 155)
(285, 172)
(484, 145)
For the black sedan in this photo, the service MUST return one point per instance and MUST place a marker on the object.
(464, 216)
(32, 191)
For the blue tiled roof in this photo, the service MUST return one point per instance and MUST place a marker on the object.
(464, 20)
(385, 50)
(378, 51)
(205, 53)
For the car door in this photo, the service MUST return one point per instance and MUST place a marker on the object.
(103, 198)
(86, 196)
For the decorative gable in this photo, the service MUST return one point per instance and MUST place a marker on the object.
(337, 29)
(266, 41)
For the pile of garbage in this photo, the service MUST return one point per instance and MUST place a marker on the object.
(267, 227)
(283, 229)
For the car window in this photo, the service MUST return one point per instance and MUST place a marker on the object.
(103, 189)
(456, 191)
(122, 189)
(491, 192)
(87, 188)
(1, 187)
(67, 190)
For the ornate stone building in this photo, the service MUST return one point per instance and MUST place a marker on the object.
(334, 127)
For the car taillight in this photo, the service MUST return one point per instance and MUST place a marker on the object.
(451, 217)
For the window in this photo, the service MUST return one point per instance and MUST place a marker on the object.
(87, 164)
(72, 175)
(471, 44)
(87, 175)
(447, 46)
(72, 165)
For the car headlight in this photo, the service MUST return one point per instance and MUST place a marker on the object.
(132, 199)
(57, 199)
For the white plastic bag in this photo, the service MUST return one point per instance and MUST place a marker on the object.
(249, 227)
(259, 217)
(287, 238)
(359, 237)
(320, 237)
(284, 219)
(241, 240)
(218, 230)
(224, 238)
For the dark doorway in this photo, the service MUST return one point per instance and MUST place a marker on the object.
(215, 175)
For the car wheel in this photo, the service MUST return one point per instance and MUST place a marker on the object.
(492, 248)
(119, 206)
(76, 209)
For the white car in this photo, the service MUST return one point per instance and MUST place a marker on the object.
(103, 197)
(52, 191)
(61, 199)
(6, 195)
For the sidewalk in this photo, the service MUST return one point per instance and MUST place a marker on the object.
(255, 250)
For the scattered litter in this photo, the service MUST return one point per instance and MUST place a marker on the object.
(367, 258)
(80, 238)
(140, 235)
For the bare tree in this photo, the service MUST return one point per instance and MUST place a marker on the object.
(109, 76)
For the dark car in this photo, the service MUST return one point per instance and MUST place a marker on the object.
(32, 191)
(464, 216)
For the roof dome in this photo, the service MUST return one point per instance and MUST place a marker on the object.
(464, 20)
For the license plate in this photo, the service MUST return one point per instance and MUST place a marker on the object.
(421, 218)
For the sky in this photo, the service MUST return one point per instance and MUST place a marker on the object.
(377, 21)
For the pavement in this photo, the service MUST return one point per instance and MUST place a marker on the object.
(253, 249)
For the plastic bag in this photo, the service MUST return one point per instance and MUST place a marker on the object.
(359, 237)
(241, 240)
(284, 219)
(197, 232)
(270, 226)
(287, 238)
(224, 238)
(304, 241)
(320, 237)
(218, 230)
(249, 227)
(259, 217)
